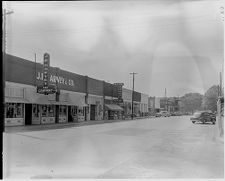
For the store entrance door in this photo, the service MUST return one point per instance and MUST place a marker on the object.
(28, 114)
(70, 118)
(92, 112)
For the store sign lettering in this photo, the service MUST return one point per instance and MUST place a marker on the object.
(56, 79)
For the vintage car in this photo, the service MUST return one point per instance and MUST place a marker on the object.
(163, 114)
(204, 117)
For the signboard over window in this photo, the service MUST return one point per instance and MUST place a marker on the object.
(51, 89)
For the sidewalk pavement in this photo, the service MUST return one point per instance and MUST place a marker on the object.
(219, 130)
(12, 129)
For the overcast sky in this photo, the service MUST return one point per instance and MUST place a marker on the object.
(171, 44)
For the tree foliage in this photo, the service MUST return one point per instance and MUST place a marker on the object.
(210, 98)
(191, 102)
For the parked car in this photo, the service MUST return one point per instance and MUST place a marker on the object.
(158, 114)
(204, 117)
(177, 114)
(163, 114)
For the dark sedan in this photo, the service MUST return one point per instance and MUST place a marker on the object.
(204, 117)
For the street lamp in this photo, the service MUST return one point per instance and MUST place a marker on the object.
(132, 115)
(3, 61)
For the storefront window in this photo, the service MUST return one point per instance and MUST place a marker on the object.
(35, 110)
(44, 111)
(14, 110)
(100, 109)
(62, 110)
(74, 110)
(51, 111)
(80, 111)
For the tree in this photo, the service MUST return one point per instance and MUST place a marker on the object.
(210, 99)
(191, 102)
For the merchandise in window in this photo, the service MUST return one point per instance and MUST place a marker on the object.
(35, 110)
(62, 110)
(51, 111)
(14, 110)
(74, 110)
(44, 111)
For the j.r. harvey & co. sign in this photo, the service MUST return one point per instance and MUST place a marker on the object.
(56, 79)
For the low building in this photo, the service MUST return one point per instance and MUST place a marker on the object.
(75, 97)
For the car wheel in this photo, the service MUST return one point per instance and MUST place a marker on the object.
(193, 122)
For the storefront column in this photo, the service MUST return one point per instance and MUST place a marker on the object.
(57, 108)
(103, 100)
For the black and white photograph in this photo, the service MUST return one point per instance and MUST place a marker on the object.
(113, 89)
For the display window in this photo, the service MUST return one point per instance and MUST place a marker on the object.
(100, 109)
(80, 111)
(14, 110)
(44, 112)
(47, 111)
(62, 111)
(74, 110)
(35, 110)
(51, 111)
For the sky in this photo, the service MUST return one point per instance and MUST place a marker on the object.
(172, 44)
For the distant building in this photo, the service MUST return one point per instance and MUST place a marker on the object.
(153, 105)
(170, 104)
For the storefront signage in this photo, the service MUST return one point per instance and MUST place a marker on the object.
(46, 64)
(51, 89)
(119, 91)
(46, 88)
(56, 79)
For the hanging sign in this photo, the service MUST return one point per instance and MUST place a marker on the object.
(46, 88)
(119, 92)
(46, 69)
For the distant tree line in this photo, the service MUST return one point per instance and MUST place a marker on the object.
(192, 102)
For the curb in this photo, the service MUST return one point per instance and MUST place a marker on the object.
(27, 128)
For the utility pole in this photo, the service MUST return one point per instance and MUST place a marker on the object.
(220, 90)
(166, 100)
(3, 61)
(35, 69)
(132, 115)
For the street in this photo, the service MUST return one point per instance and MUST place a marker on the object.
(170, 147)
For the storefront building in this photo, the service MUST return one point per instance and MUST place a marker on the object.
(95, 99)
(78, 98)
(127, 97)
(144, 104)
(112, 108)
(24, 106)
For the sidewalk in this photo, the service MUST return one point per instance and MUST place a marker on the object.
(219, 130)
(26, 128)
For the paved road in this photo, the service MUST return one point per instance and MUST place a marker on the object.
(146, 148)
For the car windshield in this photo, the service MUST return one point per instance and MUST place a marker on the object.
(197, 114)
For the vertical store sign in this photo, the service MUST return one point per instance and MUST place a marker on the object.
(119, 91)
(46, 69)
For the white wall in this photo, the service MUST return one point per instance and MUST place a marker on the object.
(127, 95)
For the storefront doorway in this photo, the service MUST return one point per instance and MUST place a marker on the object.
(70, 118)
(28, 114)
(92, 112)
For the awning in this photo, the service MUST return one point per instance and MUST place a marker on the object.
(16, 100)
(77, 101)
(42, 100)
(113, 107)
(65, 103)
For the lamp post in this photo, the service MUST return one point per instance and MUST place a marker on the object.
(3, 60)
(132, 104)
